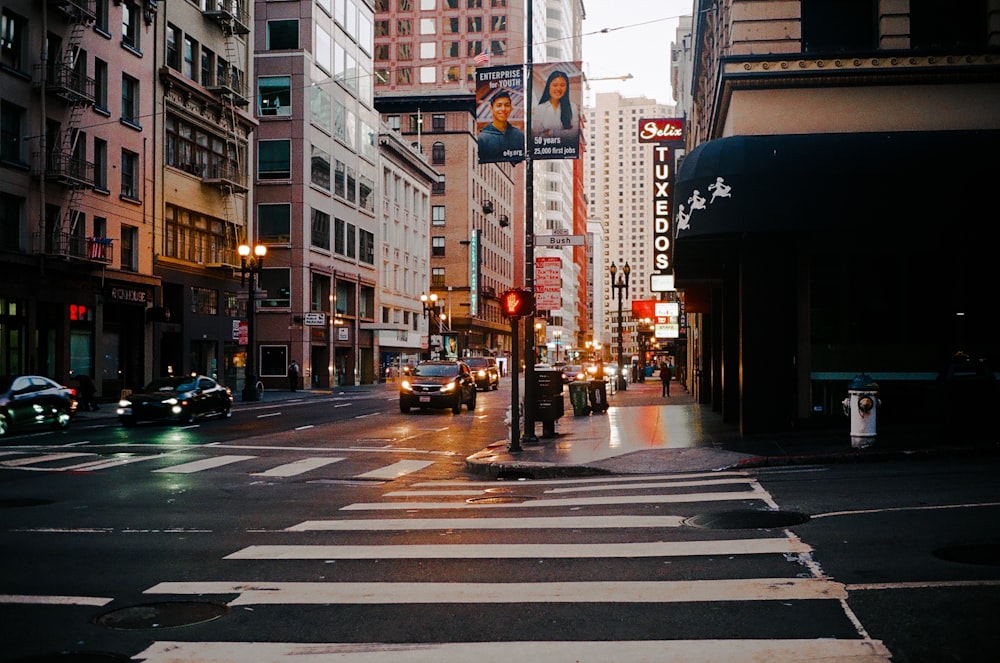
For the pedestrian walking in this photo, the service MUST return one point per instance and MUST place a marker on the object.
(665, 375)
(86, 392)
(293, 376)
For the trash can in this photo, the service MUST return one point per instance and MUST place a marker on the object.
(578, 398)
(598, 390)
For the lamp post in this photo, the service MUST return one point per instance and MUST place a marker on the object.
(250, 268)
(620, 284)
(430, 302)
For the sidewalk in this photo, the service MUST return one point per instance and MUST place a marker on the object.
(645, 433)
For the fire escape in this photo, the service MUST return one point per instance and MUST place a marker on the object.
(230, 88)
(62, 78)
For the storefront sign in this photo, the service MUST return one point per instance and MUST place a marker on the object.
(663, 133)
(124, 295)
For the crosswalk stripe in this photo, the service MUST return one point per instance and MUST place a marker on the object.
(206, 464)
(297, 467)
(520, 551)
(754, 494)
(681, 476)
(106, 463)
(46, 458)
(560, 522)
(396, 470)
(646, 486)
(24, 599)
(600, 651)
(680, 591)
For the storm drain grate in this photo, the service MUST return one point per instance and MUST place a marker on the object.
(169, 614)
(985, 554)
(747, 519)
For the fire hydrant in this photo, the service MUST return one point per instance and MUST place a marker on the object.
(861, 405)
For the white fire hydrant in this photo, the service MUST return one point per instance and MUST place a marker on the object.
(861, 405)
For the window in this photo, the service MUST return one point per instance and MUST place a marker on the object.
(404, 76)
(338, 236)
(340, 178)
(382, 52)
(173, 39)
(351, 241)
(13, 30)
(11, 130)
(101, 85)
(437, 122)
(352, 185)
(437, 153)
(10, 221)
(498, 24)
(437, 215)
(935, 24)
(381, 28)
(320, 236)
(323, 49)
(366, 247)
(204, 301)
(130, 100)
(282, 35)
(320, 168)
(130, 175)
(404, 51)
(437, 246)
(393, 122)
(274, 159)
(274, 223)
(100, 164)
(130, 25)
(366, 193)
(190, 51)
(195, 237)
(837, 27)
(404, 27)
(101, 12)
(276, 283)
(437, 278)
(207, 67)
(452, 74)
(129, 248)
(274, 95)
(475, 24)
(438, 186)
(320, 108)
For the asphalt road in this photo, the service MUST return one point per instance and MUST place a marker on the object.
(340, 527)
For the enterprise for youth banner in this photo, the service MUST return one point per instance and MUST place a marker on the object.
(500, 113)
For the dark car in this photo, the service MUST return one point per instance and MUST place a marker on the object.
(31, 400)
(485, 371)
(180, 399)
(438, 384)
(573, 372)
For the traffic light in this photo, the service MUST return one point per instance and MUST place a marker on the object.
(517, 303)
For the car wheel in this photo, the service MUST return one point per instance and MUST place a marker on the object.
(403, 407)
(496, 385)
(472, 401)
(4, 426)
(61, 419)
(227, 412)
(187, 417)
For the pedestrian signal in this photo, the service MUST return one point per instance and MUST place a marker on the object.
(517, 303)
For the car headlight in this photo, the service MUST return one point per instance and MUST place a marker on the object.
(482, 373)
(124, 403)
(405, 386)
(170, 401)
(448, 388)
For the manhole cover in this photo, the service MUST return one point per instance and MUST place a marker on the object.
(497, 499)
(987, 554)
(747, 519)
(74, 657)
(162, 615)
(14, 502)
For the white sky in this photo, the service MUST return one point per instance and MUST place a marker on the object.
(637, 42)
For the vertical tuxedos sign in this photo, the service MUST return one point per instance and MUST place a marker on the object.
(664, 134)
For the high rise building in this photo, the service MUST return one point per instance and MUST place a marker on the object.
(315, 189)
(77, 217)
(424, 68)
(618, 179)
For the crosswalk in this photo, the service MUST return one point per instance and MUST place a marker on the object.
(82, 462)
(613, 522)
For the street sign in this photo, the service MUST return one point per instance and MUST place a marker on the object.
(315, 318)
(560, 240)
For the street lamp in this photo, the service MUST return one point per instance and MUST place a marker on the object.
(250, 268)
(620, 284)
(430, 302)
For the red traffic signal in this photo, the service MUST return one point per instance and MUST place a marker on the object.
(517, 303)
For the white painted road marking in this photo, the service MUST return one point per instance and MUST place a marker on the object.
(297, 467)
(555, 522)
(206, 464)
(396, 470)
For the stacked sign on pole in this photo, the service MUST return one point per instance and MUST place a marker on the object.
(548, 283)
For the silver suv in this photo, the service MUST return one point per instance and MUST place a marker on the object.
(486, 372)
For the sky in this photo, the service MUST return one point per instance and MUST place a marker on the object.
(637, 42)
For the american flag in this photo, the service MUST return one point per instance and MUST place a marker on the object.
(483, 58)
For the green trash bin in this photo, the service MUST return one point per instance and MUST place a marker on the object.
(578, 398)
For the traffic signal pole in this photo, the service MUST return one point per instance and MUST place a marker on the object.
(529, 249)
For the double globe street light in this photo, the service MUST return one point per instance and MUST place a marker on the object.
(620, 284)
(250, 268)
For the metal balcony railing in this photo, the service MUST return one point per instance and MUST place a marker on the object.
(66, 83)
(66, 169)
(76, 247)
(230, 14)
(225, 174)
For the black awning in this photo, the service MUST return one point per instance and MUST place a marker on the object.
(818, 182)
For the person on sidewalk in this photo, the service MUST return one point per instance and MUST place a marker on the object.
(293, 376)
(665, 375)
(87, 391)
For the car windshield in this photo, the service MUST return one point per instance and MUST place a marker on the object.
(435, 370)
(477, 362)
(171, 384)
